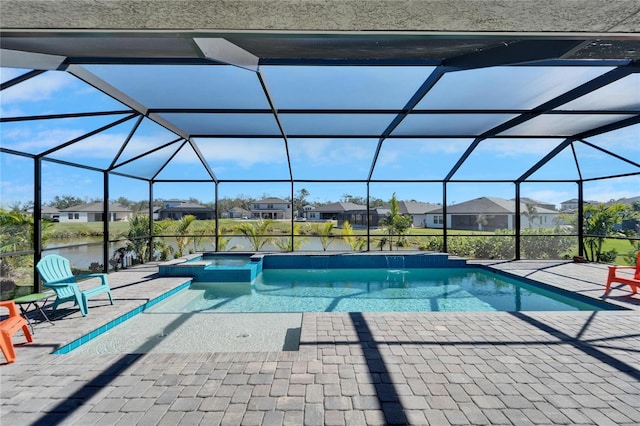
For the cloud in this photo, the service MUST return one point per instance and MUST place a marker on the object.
(242, 153)
(518, 147)
(322, 152)
(39, 140)
(612, 189)
(397, 151)
(37, 89)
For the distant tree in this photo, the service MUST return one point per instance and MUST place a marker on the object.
(139, 206)
(530, 214)
(227, 203)
(300, 200)
(124, 202)
(19, 206)
(348, 198)
(65, 201)
(375, 202)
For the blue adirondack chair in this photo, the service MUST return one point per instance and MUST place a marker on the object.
(56, 273)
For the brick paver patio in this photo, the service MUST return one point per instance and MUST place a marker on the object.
(498, 368)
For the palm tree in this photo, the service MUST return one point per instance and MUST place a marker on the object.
(138, 237)
(17, 231)
(349, 237)
(256, 233)
(482, 221)
(203, 233)
(530, 214)
(289, 243)
(180, 228)
(324, 232)
(223, 242)
(394, 223)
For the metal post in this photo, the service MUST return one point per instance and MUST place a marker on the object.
(293, 225)
(368, 220)
(37, 220)
(580, 219)
(217, 222)
(150, 222)
(444, 217)
(105, 222)
(517, 221)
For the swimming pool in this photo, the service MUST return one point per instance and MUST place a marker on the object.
(266, 313)
(375, 290)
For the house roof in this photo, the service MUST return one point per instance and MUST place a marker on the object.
(187, 206)
(488, 205)
(416, 207)
(341, 207)
(271, 200)
(97, 207)
(238, 210)
(528, 200)
(44, 210)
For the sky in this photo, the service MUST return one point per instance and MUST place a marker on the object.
(234, 158)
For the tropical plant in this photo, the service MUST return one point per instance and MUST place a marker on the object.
(324, 233)
(291, 243)
(202, 234)
(256, 233)
(223, 242)
(355, 243)
(17, 231)
(500, 245)
(537, 244)
(17, 235)
(138, 237)
(599, 221)
(395, 224)
(181, 228)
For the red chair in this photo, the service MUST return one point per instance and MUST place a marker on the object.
(9, 327)
(634, 282)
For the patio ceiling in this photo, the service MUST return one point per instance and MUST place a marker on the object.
(144, 104)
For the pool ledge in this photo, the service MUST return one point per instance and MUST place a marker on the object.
(109, 325)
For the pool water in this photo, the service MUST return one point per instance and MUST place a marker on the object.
(374, 290)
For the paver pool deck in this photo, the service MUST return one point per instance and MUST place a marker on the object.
(432, 368)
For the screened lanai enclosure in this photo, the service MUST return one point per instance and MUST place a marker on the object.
(478, 138)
